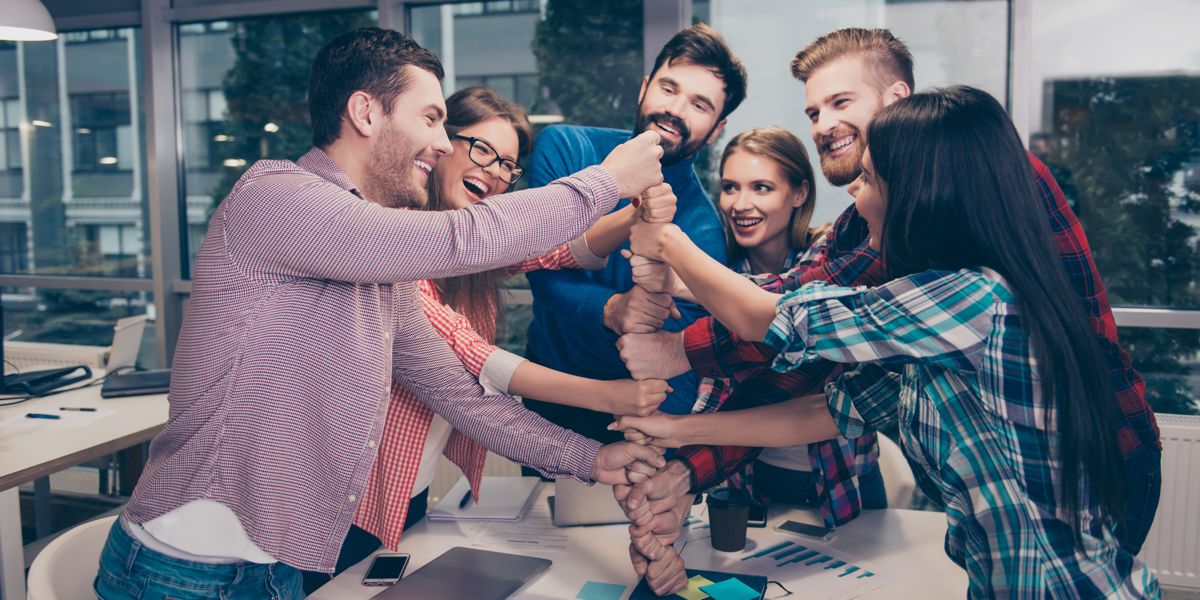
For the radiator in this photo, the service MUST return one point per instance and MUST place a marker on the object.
(34, 355)
(1172, 550)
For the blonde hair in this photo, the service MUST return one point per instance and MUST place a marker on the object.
(886, 59)
(788, 153)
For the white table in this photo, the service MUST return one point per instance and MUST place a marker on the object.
(904, 541)
(29, 453)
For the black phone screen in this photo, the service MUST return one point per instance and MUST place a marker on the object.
(758, 516)
(387, 567)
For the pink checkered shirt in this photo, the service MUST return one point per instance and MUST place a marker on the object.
(298, 322)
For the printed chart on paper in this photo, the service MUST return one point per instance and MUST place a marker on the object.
(816, 570)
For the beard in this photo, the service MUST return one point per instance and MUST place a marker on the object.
(842, 171)
(673, 152)
(388, 179)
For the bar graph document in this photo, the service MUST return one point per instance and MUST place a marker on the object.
(802, 566)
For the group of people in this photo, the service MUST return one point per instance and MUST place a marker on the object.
(340, 334)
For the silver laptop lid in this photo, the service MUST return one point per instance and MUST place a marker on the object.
(472, 573)
(579, 504)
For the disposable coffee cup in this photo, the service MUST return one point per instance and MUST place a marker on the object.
(728, 509)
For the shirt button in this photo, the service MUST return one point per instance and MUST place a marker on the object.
(371, 444)
(713, 372)
(351, 498)
(387, 335)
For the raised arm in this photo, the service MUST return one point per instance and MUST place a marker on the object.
(284, 224)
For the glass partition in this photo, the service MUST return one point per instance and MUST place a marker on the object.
(72, 159)
(1119, 126)
(244, 88)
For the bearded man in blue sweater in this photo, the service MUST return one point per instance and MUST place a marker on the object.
(579, 315)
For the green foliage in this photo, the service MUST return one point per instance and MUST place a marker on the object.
(268, 83)
(1127, 142)
(589, 57)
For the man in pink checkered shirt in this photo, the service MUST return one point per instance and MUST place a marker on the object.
(301, 315)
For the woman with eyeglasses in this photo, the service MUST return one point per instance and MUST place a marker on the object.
(489, 135)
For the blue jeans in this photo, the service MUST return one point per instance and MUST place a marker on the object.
(129, 570)
(1145, 486)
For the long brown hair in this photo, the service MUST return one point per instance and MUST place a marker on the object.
(476, 295)
(788, 153)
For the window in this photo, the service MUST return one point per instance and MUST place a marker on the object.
(593, 79)
(84, 317)
(1118, 126)
(243, 97)
(72, 163)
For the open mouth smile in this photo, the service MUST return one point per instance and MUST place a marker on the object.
(840, 144)
(424, 165)
(476, 187)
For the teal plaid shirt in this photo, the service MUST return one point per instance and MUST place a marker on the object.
(944, 354)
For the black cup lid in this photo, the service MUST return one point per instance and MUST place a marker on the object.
(728, 498)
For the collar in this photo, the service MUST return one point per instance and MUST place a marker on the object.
(318, 163)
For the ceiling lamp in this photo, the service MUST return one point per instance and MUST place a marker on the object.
(26, 21)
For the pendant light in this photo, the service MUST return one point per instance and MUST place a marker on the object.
(26, 21)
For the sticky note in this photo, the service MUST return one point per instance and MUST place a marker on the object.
(731, 589)
(600, 591)
(692, 591)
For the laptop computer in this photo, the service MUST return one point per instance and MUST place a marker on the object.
(468, 573)
(127, 342)
(577, 504)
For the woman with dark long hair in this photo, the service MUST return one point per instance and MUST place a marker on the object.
(979, 347)
(489, 135)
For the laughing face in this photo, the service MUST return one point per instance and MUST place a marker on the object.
(461, 181)
(408, 145)
(682, 104)
(840, 104)
(759, 202)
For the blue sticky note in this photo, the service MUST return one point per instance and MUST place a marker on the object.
(600, 591)
(731, 589)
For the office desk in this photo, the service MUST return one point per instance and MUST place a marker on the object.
(29, 453)
(904, 541)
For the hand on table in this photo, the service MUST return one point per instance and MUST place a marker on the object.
(658, 508)
(658, 355)
(638, 311)
(635, 164)
(667, 575)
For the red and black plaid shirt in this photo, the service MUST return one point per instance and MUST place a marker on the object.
(714, 351)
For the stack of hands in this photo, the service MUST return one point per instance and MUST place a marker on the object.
(654, 496)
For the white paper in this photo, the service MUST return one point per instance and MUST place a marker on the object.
(535, 532)
(695, 528)
(66, 418)
(822, 573)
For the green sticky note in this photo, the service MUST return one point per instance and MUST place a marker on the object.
(600, 591)
(692, 591)
(731, 589)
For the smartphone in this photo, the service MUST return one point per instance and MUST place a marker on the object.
(815, 532)
(386, 569)
(758, 516)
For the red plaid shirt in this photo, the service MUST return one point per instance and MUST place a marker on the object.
(714, 351)
(297, 325)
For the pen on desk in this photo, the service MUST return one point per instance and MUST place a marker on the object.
(78, 409)
(466, 498)
(40, 416)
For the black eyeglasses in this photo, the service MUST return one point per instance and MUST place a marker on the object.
(484, 155)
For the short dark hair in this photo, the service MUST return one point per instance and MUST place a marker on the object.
(885, 58)
(371, 60)
(702, 46)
